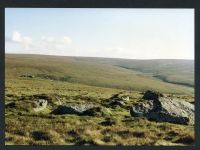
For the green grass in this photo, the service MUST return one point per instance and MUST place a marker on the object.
(81, 81)
(172, 70)
(104, 72)
(82, 130)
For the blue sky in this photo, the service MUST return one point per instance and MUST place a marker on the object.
(118, 33)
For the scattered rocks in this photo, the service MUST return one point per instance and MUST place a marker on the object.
(164, 109)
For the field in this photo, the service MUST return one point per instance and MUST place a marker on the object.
(78, 80)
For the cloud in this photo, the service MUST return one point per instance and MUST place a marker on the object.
(18, 38)
(66, 40)
(42, 43)
(50, 45)
(58, 42)
(48, 39)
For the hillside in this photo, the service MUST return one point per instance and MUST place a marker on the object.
(168, 76)
(169, 70)
(78, 81)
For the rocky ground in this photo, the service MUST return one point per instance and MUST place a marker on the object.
(75, 114)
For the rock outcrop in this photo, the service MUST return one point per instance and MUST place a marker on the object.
(155, 106)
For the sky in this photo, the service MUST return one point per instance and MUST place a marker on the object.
(92, 32)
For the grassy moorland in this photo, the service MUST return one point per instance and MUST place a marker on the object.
(172, 76)
(77, 80)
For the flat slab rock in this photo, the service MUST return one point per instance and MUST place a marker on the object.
(164, 109)
(76, 109)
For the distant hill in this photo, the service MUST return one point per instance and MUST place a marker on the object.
(169, 70)
(169, 76)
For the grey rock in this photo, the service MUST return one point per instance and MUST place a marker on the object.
(165, 109)
(40, 104)
(173, 110)
(139, 109)
(77, 110)
(125, 98)
(95, 111)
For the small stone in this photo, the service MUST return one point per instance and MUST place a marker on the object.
(40, 105)
(125, 98)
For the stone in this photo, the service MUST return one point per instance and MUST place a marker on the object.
(92, 111)
(89, 110)
(139, 109)
(61, 109)
(152, 95)
(173, 110)
(164, 109)
(125, 98)
(40, 105)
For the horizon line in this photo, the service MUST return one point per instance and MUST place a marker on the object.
(100, 57)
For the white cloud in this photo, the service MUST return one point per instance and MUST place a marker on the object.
(16, 37)
(48, 43)
(27, 40)
(24, 40)
(58, 41)
(66, 40)
(48, 39)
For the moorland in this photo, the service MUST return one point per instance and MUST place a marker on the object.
(90, 80)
